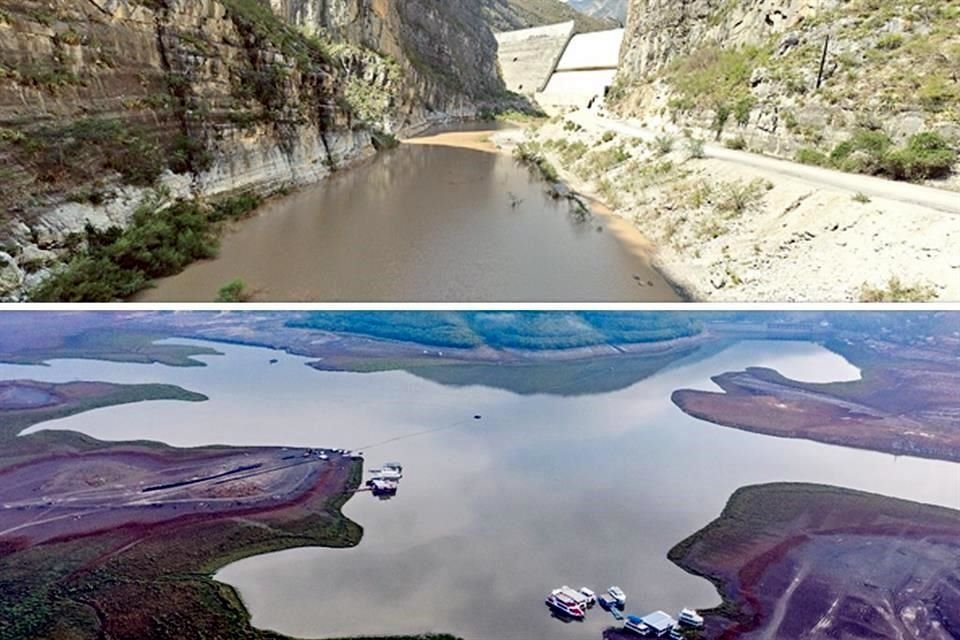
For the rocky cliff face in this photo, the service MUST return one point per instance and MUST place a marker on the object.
(104, 103)
(751, 69)
(659, 31)
(446, 52)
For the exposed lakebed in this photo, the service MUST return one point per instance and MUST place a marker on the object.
(427, 222)
(543, 490)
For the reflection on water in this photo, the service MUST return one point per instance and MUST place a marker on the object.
(543, 491)
(425, 223)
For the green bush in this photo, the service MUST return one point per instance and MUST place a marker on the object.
(742, 109)
(863, 152)
(233, 292)
(808, 155)
(938, 92)
(116, 263)
(529, 153)
(927, 155)
(663, 145)
(235, 207)
(890, 41)
(695, 147)
(85, 149)
(737, 144)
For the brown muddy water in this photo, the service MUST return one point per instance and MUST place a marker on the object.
(438, 219)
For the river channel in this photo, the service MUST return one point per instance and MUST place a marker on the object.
(444, 221)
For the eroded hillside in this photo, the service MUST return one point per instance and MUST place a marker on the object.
(750, 72)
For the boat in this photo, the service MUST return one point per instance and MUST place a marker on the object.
(393, 466)
(383, 487)
(390, 470)
(567, 602)
(635, 624)
(618, 595)
(690, 618)
(589, 595)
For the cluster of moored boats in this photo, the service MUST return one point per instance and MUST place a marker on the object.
(386, 480)
(574, 603)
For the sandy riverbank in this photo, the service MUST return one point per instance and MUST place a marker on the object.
(728, 232)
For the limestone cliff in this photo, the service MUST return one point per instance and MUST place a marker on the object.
(445, 49)
(750, 70)
(105, 103)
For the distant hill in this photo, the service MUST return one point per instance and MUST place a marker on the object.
(532, 330)
(616, 9)
(507, 15)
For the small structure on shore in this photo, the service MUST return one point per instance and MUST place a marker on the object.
(658, 624)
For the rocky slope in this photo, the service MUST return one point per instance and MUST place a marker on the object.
(106, 104)
(615, 9)
(426, 38)
(507, 15)
(750, 70)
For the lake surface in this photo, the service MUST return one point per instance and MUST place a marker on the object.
(492, 514)
(428, 223)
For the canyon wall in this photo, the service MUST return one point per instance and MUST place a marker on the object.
(446, 50)
(106, 104)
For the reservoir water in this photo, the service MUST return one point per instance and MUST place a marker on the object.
(544, 490)
(426, 222)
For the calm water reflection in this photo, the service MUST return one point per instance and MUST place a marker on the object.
(545, 490)
(425, 223)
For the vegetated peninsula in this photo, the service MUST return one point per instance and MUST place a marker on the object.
(906, 402)
(27, 402)
(816, 562)
(120, 540)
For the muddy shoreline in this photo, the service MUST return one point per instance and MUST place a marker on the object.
(799, 556)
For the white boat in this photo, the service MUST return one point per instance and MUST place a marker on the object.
(381, 486)
(690, 618)
(567, 602)
(618, 595)
(589, 595)
(389, 471)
